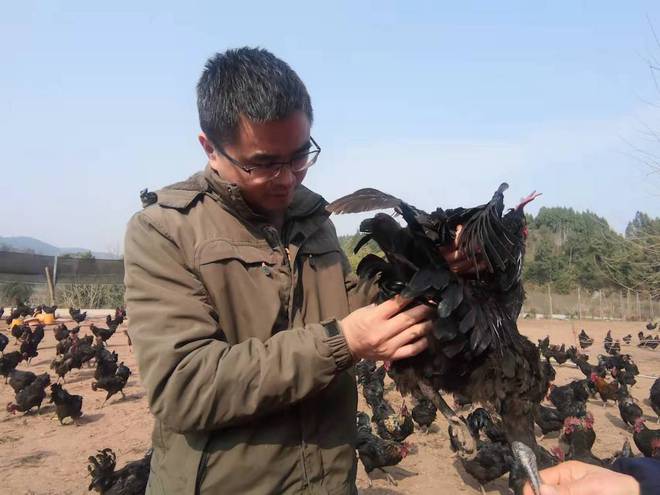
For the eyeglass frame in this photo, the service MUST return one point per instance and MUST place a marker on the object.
(248, 169)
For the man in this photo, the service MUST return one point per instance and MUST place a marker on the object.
(240, 302)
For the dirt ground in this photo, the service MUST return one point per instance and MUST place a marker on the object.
(39, 456)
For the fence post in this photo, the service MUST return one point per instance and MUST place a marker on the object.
(550, 301)
(579, 304)
(628, 304)
(651, 316)
(623, 312)
(51, 289)
(639, 307)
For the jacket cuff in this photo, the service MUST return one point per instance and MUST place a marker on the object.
(338, 347)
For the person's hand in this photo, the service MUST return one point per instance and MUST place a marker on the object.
(386, 332)
(578, 478)
(458, 261)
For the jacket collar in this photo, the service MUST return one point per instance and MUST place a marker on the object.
(306, 203)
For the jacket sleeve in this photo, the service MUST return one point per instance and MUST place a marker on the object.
(195, 380)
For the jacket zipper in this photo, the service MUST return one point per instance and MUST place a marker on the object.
(201, 468)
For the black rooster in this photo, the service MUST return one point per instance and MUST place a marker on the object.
(584, 339)
(654, 397)
(66, 405)
(475, 348)
(375, 452)
(129, 480)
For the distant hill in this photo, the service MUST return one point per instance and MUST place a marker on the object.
(32, 245)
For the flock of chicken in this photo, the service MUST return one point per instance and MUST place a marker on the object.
(72, 352)
(491, 456)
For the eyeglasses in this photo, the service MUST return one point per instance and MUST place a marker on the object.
(263, 173)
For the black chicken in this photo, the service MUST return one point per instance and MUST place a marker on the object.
(4, 340)
(580, 436)
(615, 348)
(8, 363)
(76, 315)
(629, 411)
(129, 480)
(607, 343)
(654, 397)
(548, 419)
(18, 380)
(570, 399)
(584, 339)
(481, 420)
(31, 396)
(60, 332)
(424, 413)
(113, 384)
(647, 440)
(627, 339)
(475, 348)
(66, 405)
(118, 320)
(106, 363)
(651, 326)
(102, 333)
(375, 452)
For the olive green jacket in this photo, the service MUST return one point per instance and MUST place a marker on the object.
(250, 393)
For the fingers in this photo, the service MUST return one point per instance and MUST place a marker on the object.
(411, 334)
(408, 318)
(411, 349)
(392, 306)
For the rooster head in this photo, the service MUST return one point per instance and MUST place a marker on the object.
(11, 408)
(639, 424)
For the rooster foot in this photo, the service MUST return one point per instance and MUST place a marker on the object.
(389, 477)
(527, 459)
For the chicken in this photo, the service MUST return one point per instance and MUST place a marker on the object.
(48, 309)
(424, 413)
(31, 396)
(570, 399)
(654, 397)
(4, 340)
(60, 332)
(491, 461)
(558, 353)
(548, 419)
(479, 420)
(8, 363)
(580, 437)
(76, 315)
(130, 480)
(615, 348)
(29, 346)
(118, 320)
(18, 380)
(66, 405)
(584, 339)
(606, 390)
(647, 440)
(651, 326)
(584, 366)
(624, 377)
(17, 331)
(113, 384)
(548, 371)
(627, 339)
(106, 363)
(375, 452)
(475, 348)
(628, 410)
(607, 343)
(102, 333)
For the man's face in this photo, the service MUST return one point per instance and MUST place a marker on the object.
(265, 143)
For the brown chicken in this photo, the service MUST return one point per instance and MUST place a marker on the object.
(606, 390)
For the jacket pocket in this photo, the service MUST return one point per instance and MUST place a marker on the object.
(219, 250)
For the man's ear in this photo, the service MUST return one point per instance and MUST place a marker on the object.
(208, 148)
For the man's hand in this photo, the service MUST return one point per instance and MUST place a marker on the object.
(385, 332)
(458, 261)
(578, 478)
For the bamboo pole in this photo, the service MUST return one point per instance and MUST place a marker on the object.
(51, 288)
(579, 304)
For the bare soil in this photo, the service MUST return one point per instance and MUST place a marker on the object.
(40, 456)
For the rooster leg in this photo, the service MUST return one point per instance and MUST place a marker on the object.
(389, 477)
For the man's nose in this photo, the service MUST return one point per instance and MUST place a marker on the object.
(286, 177)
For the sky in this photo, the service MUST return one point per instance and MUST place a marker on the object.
(436, 102)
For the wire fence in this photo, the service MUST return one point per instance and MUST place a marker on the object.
(583, 304)
(66, 281)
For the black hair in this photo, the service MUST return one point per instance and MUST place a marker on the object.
(251, 82)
